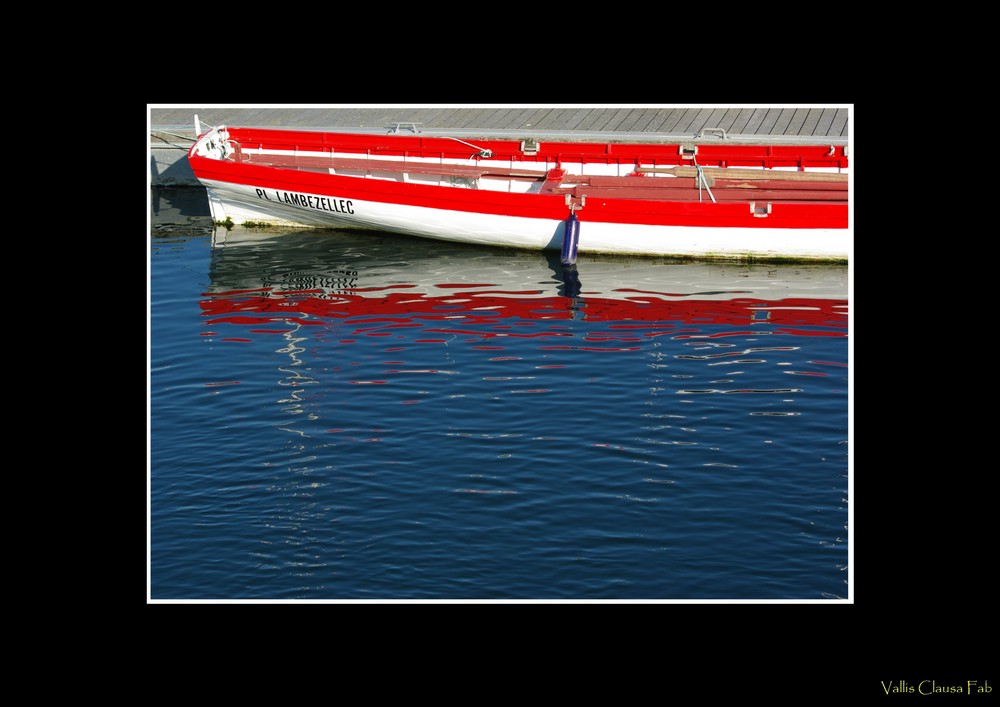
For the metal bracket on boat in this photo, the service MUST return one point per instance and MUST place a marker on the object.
(760, 211)
(688, 150)
(529, 146)
(713, 130)
(575, 204)
(397, 125)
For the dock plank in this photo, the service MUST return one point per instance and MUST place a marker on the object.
(824, 122)
(726, 119)
(808, 126)
(644, 120)
(668, 121)
(435, 116)
(616, 118)
(535, 118)
(774, 122)
(598, 119)
(781, 122)
(473, 118)
(561, 116)
(681, 122)
(521, 118)
(700, 121)
(796, 121)
(716, 119)
(838, 128)
(649, 121)
(628, 124)
(573, 122)
(496, 118)
(656, 124)
(755, 120)
(740, 120)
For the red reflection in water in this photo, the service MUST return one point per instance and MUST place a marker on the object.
(496, 313)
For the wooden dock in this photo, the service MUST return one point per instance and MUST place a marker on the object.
(172, 128)
(812, 122)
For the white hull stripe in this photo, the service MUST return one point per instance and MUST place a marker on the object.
(243, 204)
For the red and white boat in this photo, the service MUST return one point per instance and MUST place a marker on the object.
(713, 198)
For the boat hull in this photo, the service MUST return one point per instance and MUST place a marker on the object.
(243, 204)
(416, 200)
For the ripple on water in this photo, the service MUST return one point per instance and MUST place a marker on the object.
(341, 415)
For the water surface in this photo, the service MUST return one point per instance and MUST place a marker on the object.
(348, 415)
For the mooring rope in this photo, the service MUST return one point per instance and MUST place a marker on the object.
(702, 180)
(482, 151)
(182, 137)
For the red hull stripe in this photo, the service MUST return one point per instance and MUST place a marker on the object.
(803, 215)
(549, 154)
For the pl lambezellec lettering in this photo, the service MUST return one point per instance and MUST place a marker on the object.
(320, 203)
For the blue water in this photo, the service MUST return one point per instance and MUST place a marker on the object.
(337, 415)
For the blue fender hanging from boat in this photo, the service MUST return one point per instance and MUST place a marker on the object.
(571, 239)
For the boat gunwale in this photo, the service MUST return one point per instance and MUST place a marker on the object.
(767, 156)
(631, 187)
